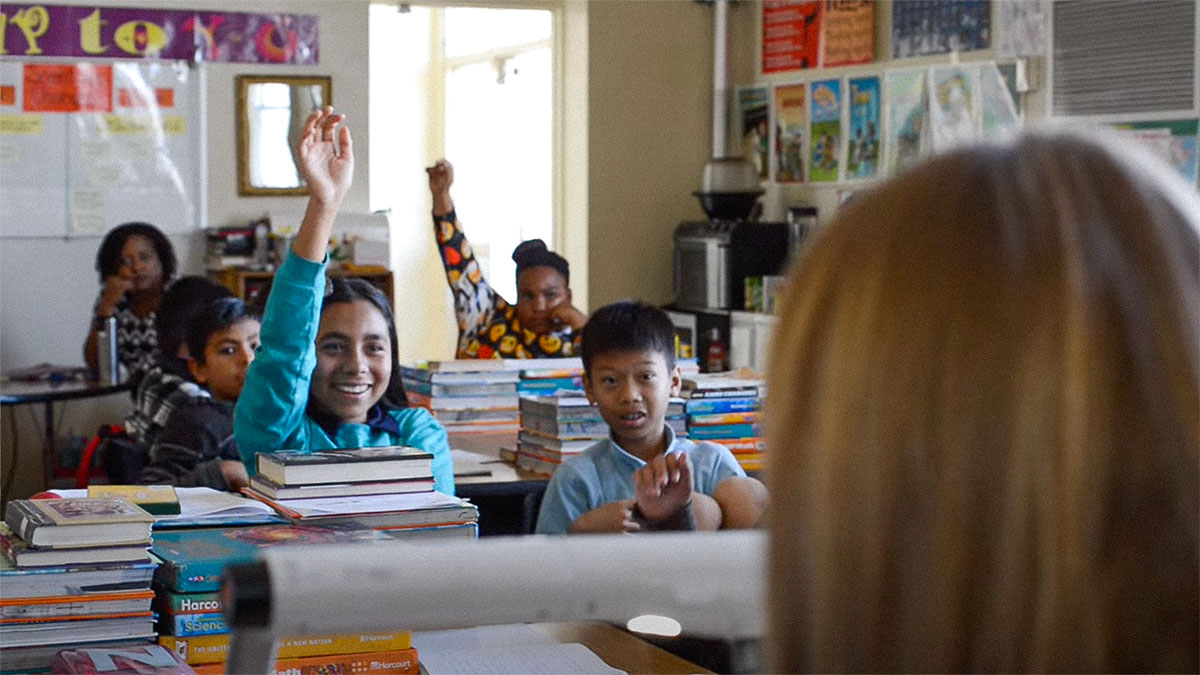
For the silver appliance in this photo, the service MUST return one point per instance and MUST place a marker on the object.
(702, 264)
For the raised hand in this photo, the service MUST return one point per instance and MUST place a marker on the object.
(663, 486)
(441, 177)
(326, 157)
(115, 288)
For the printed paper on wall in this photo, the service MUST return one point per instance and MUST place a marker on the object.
(791, 130)
(826, 130)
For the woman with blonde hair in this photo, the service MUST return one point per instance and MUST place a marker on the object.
(984, 421)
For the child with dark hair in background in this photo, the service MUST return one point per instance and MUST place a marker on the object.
(196, 446)
(643, 477)
(543, 323)
(136, 262)
(167, 384)
(326, 376)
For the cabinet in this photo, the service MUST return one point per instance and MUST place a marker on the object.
(254, 285)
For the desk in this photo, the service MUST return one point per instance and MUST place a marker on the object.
(508, 499)
(49, 393)
(614, 646)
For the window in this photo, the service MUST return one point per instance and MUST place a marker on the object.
(485, 78)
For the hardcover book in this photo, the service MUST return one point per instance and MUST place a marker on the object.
(439, 391)
(75, 631)
(78, 522)
(184, 625)
(39, 582)
(155, 499)
(201, 649)
(378, 511)
(22, 555)
(192, 560)
(357, 465)
(715, 431)
(62, 607)
(396, 662)
(445, 377)
(271, 489)
(170, 603)
(721, 405)
(147, 659)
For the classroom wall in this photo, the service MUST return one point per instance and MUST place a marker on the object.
(48, 286)
(649, 134)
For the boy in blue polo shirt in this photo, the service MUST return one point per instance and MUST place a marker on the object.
(642, 477)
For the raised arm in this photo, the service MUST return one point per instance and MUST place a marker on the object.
(270, 412)
(441, 177)
(327, 164)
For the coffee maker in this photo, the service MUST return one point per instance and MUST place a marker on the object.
(713, 257)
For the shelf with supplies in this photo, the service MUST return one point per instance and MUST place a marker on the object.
(253, 285)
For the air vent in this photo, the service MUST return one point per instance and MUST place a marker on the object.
(1122, 57)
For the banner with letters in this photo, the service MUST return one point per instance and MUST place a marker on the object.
(33, 31)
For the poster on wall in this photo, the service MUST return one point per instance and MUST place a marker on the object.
(905, 99)
(939, 27)
(998, 105)
(755, 127)
(826, 130)
(791, 38)
(862, 141)
(791, 128)
(848, 33)
(1021, 28)
(1177, 142)
(953, 106)
(86, 146)
(37, 31)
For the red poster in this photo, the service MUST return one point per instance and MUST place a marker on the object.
(791, 34)
(849, 33)
(68, 88)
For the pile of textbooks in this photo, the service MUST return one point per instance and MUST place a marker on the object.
(724, 408)
(387, 488)
(469, 397)
(75, 572)
(192, 625)
(556, 428)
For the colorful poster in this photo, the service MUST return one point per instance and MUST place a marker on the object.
(755, 127)
(953, 109)
(849, 33)
(67, 88)
(1176, 141)
(791, 127)
(906, 100)
(998, 107)
(33, 31)
(862, 143)
(1021, 28)
(826, 130)
(940, 26)
(791, 36)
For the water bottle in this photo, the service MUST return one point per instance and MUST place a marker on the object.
(106, 350)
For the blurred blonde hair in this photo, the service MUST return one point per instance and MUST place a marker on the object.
(984, 424)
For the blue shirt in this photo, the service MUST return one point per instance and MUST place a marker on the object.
(271, 413)
(604, 473)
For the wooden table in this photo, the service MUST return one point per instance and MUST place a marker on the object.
(620, 649)
(49, 393)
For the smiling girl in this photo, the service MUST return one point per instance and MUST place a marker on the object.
(326, 375)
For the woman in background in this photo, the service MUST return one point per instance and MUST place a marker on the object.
(135, 262)
(544, 322)
(984, 421)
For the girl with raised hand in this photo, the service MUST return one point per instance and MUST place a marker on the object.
(326, 374)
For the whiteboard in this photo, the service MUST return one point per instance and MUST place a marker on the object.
(86, 146)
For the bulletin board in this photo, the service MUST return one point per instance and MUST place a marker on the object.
(86, 146)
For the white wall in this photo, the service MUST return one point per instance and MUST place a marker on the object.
(47, 286)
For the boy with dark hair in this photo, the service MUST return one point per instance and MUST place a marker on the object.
(643, 477)
(196, 446)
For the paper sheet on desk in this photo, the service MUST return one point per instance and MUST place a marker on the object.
(468, 463)
(504, 650)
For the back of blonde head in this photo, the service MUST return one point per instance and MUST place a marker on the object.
(984, 423)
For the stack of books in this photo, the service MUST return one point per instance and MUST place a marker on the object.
(551, 377)
(474, 399)
(556, 428)
(75, 573)
(191, 623)
(724, 408)
(387, 488)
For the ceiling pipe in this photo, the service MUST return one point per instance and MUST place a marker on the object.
(720, 126)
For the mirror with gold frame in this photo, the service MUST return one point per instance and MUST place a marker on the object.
(271, 111)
